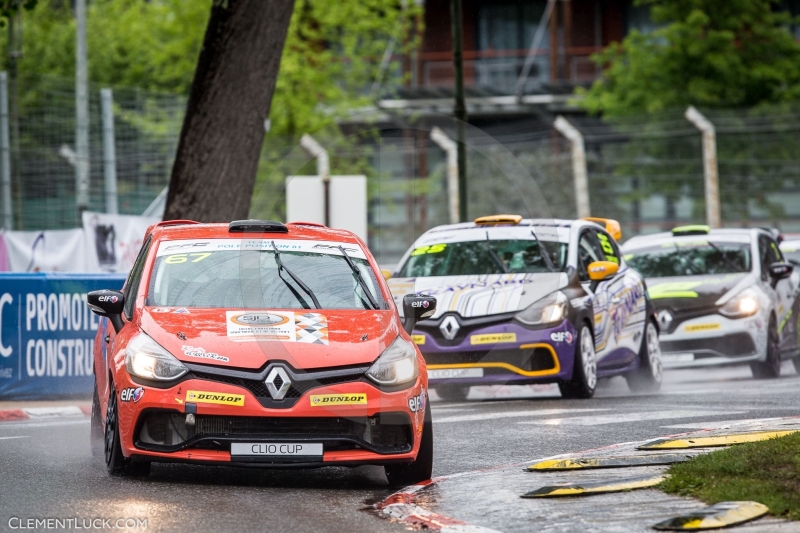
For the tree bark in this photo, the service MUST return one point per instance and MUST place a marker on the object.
(223, 131)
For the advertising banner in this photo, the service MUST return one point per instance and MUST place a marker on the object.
(113, 241)
(46, 251)
(47, 334)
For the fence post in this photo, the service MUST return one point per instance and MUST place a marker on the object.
(109, 151)
(314, 149)
(579, 172)
(450, 148)
(81, 110)
(710, 169)
(5, 154)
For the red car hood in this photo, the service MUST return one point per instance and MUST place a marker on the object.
(306, 339)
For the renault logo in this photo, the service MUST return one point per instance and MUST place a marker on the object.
(449, 327)
(278, 383)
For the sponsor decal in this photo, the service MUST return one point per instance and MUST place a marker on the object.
(322, 400)
(702, 327)
(220, 398)
(181, 311)
(111, 299)
(178, 400)
(131, 394)
(201, 353)
(493, 338)
(418, 339)
(311, 328)
(194, 251)
(561, 336)
(417, 403)
(423, 304)
(432, 249)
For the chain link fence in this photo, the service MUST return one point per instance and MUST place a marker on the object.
(645, 172)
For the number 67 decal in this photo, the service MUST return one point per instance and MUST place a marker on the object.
(177, 259)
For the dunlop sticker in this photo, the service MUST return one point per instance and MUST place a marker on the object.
(702, 327)
(323, 400)
(220, 398)
(418, 339)
(493, 338)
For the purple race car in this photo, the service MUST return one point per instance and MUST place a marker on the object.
(530, 301)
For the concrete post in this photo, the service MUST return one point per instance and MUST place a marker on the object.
(5, 154)
(710, 170)
(109, 151)
(450, 148)
(81, 110)
(314, 149)
(579, 173)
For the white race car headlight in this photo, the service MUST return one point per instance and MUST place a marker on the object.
(548, 310)
(397, 365)
(146, 359)
(743, 304)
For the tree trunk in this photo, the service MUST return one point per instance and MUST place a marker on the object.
(223, 131)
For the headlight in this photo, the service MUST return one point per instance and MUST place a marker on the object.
(743, 304)
(548, 310)
(146, 359)
(396, 365)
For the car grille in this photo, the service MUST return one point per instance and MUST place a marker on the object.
(466, 327)
(167, 430)
(531, 359)
(254, 381)
(733, 345)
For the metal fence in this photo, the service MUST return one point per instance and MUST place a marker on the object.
(645, 172)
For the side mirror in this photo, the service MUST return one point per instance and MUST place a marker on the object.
(386, 274)
(600, 270)
(108, 304)
(415, 308)
(779, 271)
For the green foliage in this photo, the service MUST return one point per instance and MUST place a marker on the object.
(718, 53)
(11, 7)
(767, 472)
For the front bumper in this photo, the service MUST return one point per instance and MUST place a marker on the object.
(381, 428)
(505, 353)
(715, 340)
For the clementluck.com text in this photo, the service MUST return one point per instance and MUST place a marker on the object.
(74, 523)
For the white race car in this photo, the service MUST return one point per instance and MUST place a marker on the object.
(725, 296)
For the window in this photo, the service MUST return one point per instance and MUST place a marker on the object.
(690, 258)
(519, 256)
(588, 252)
(135, 276)
(509, 25)
(769, 253)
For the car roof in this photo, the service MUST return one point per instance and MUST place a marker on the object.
(641, 241)
(178, 230)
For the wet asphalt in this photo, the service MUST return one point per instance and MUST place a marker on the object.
(47, 470)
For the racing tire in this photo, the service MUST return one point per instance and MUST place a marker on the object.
(771, 367)
(584, 370)
(116, 463)
(96, 432)
(422, 467)
(452, 393)
(647, 378)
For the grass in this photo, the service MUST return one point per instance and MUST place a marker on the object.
(767, 472)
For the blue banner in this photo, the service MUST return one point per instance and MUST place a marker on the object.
(47, 334)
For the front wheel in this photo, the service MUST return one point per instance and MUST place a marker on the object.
(647, 378)
(452, 393)
(771, 367)
(116, 463)
(422, 467)
(584, 371)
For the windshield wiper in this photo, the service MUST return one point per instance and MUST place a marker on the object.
(361, 281)
(543, 252)
(295, 278)
(728, 262)
(495, 257)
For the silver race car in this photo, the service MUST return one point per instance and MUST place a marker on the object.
(725, 296)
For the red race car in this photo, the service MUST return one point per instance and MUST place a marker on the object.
(259, 344)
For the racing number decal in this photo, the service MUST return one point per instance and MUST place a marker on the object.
(177, 259)
(432, 249)
(608, 248)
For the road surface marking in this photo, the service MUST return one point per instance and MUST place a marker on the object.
(513, 414)
(17, 437)
(628, 417)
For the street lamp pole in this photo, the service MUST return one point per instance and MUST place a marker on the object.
(460, 108)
